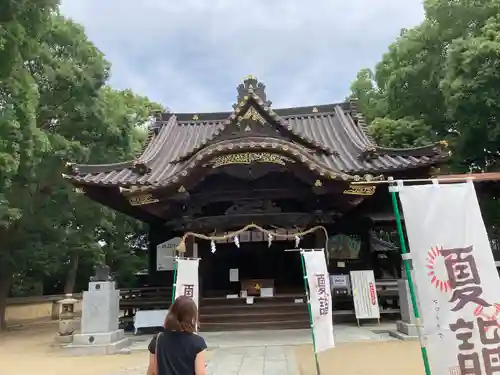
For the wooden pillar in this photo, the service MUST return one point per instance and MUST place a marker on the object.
(153, 241)
(319, 239)
(189, 247)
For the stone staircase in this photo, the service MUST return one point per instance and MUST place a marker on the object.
(278, 312)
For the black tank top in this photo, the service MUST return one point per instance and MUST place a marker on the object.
(176, 352)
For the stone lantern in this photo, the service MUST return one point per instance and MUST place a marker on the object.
(67, 322)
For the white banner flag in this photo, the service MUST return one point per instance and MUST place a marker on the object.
(458, 284)
(187, 279)
(320, 299)
(364, 294)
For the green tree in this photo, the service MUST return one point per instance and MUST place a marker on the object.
(401, 133)
(440, 80)
(56, 108)
(471, 88)
(371, 99)
(22, 24)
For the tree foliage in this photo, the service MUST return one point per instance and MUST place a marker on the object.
(55, 107)
(441, 81)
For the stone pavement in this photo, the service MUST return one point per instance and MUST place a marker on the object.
(261, 352)
(269, 360)
(286, 337)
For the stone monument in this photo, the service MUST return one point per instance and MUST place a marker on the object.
(100, 310)
(406, 328)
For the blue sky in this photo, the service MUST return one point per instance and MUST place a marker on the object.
(190, 55)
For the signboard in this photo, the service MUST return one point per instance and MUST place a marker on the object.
(234, 275)
(364, 293)
(458, 284)
(320, 299)
(339, 281)
(187, 283)
(165, 253)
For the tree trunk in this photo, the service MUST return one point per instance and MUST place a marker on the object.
(69, 285)
(5, 281)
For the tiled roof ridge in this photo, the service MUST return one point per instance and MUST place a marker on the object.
(371, 149)
(149, 138)
(354, 134)
(98, 168)
(139, 165)
(435, 148)
(252, 143)
(359, 119)
(288, 112)
(247, 102)
(153, 149)
(292, 150)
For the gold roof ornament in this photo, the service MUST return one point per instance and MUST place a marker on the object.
(318, 183)
(443, 143)
(196, 117)
(181, 189)
(315, 110)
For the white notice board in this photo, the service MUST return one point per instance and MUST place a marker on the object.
(165, 253)
(234, 275)
(364, 293)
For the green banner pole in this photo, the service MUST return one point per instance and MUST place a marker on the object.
(306, 288)
(404, 252)
(174, 286)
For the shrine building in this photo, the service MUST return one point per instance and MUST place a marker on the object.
(286, 170)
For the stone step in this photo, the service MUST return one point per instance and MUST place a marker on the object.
(246, 326)
(214, 301)
(254, 317)
(256, 307)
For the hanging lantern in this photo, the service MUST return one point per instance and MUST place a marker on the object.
(212, 247)
(237, 241)
(297, 241)
(269, 239)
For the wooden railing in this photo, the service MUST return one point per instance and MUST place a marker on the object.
(131, 300)
(145, 298)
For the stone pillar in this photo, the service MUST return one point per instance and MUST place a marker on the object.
(99, 326)
(406, 329)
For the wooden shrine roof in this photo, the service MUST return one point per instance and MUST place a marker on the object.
(330, 140)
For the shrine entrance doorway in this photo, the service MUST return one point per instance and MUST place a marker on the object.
(253, 261)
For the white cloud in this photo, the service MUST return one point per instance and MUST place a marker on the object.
(190, 55)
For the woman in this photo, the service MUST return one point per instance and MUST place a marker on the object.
(178, 350)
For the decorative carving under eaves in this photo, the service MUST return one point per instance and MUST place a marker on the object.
(360, 190)
(142, 199)
(369, 153)
(253, 207)
(249, 158)
(141, 168)
(253, 114)
(251, 83)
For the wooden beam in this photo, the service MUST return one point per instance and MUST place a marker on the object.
(228, 222)
(111, 197)
(233, 195)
